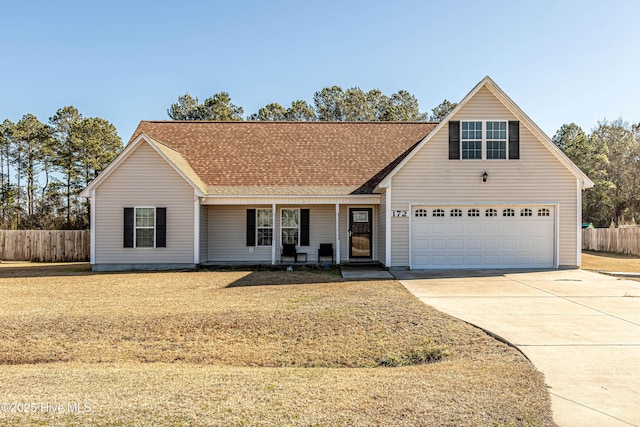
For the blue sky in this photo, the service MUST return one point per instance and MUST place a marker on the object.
(561, 61)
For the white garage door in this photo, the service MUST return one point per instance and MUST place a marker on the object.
(482, 237)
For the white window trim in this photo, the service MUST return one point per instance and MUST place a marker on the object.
(484, 140)
(282, 228)
(135, 227)
(258, 227)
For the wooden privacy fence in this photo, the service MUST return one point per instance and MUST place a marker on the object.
(614, 240)
(45, 245)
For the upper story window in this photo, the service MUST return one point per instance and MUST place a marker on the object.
(483, 140)
(471, 140)
(496, 134)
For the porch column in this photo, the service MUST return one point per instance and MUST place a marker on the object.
(387, 227)
(196, 230)
(337, 233)
(92, 227)
(273, 234)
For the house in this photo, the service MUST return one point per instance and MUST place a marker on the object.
(484, 188)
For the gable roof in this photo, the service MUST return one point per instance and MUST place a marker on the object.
(172, 157)
(285, 158)
(487, 82)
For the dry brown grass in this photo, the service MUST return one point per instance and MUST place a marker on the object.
(599, 261)
(241, 348)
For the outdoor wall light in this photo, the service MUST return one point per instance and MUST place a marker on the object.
(485, 176)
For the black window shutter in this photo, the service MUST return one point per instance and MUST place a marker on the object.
(128, 227)
(304, 227)
(251, 227)
(514, 140)
(454, 140)
(161, 227)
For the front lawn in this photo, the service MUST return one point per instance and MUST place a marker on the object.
(249, 348)
(600, 261)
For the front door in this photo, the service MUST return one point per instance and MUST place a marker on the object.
(360, 232)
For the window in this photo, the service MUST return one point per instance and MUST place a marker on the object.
(456, 212)
(526, 212)
(484, 140)
(491, 212)
(438, 212)
(264, 226)
(471, 140)
(508, 212)
(290, 226)
(543, 212)
(145, 228)
(473, 212)
(496, 140)
(421, 212)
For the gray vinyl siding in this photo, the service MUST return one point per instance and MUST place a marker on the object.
(227, 236)
(227, 233)
(381, 229)
(429, 177)
(144, 179)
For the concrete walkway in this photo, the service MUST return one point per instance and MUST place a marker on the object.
(580, 329)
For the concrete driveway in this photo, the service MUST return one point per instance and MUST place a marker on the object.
(580, 329)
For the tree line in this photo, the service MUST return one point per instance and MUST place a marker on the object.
(610, 156)
(329, 104)
(44, 166)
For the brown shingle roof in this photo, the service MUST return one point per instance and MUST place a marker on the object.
(351, 156)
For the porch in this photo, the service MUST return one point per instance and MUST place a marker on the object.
(255, 234)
